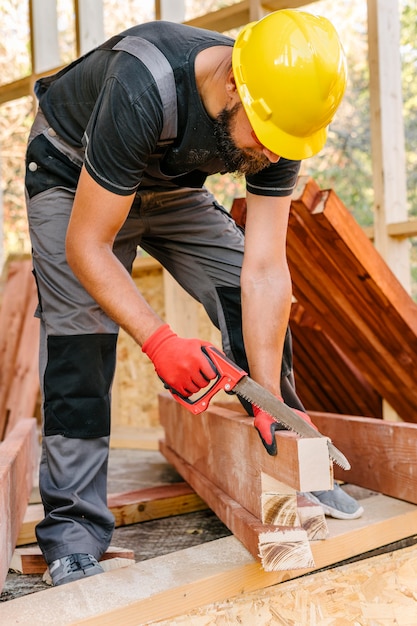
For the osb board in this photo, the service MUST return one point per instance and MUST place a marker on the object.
(136, 386)
(378, 591)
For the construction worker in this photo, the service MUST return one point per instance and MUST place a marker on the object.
(117, 158)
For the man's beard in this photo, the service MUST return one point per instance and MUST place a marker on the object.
(242, 161)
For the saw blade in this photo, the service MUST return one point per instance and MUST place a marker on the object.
(262, 398)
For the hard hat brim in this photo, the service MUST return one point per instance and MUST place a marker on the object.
(285, 145)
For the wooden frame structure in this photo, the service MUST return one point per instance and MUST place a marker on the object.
(391, 224)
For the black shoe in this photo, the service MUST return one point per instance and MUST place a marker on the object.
(73, 567)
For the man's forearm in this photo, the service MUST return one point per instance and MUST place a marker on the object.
(265, 312)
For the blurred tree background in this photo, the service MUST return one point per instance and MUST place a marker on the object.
(344, 164)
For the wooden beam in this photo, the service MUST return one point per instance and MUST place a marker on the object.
(375, 590)
(278, 548)
(387, 134)
(238, 14)
(30, 560)
(326, 379)
(17, 295)
(346, 286)
(24, 391)
(130, 507)
(382, 454)
(224, 446)
(17, 465)
(171, 585)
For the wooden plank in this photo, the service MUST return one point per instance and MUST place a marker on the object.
(30, 560)
(154, 503)
(277, 547)
(130, 507)
(326, 379)
(377, 590)
(174, 584)
(17, 465)
(12, 315)
(342, 281)
(382, 453)
(224, 446)
(238, 14)
(24, 390)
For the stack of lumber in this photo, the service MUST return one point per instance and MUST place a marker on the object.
(19, 390)
(354, 326)
(343, 283)
(255, 495)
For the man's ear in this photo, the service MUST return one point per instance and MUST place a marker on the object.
(231, 88)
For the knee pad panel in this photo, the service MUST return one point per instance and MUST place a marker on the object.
(77, 383)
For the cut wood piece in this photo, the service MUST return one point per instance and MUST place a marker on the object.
(285, 549)
(171, 585)
(278, 503)
(130, 507)
(382, 454)
(345, 285)
(277, 547)
(312, 518)
(279, 509)
(17, 465)
(224, 446)
(30, 560)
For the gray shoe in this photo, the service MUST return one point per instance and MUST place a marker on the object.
(336, 503)
(73, 567)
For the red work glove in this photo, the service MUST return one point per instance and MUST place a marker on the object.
(266, 426)
(180, 363)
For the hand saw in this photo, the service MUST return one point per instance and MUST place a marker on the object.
(232, 379)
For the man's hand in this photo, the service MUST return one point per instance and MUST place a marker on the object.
(180, 363)
(266, 426)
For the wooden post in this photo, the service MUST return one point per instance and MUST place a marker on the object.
(387, 131)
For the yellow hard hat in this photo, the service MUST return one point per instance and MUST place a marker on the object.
(290, 72)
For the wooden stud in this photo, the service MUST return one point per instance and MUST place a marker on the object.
(130, 507)
(17, 465)
(382, 454)
(225, 447)
(30, 560)
(279, 548)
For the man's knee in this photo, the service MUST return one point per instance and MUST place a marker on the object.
(77, 382)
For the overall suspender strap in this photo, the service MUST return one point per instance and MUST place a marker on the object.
(161, 70)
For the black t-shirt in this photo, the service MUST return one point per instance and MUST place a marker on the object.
(109, 103)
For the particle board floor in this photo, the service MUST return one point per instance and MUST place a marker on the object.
(379, 591)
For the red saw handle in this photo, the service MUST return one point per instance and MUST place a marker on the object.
(227, 375)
